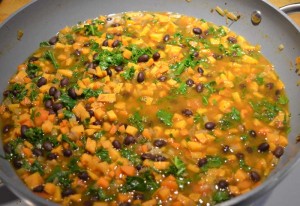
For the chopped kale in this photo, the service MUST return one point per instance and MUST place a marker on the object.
(137, 121)
(165, 117)
(103, 154)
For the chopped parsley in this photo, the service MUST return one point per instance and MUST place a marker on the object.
(165, 117)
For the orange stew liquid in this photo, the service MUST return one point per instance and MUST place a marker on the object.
(144, 109)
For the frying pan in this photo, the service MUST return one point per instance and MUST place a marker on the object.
(42, 19)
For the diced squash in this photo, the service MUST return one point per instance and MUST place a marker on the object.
(34, 180)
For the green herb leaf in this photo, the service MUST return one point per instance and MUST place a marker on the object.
(103, 154)
(88, 93)
(108, 58)
(265, 110)
(67, 101)
(73, 166)
(221, 196)
(165, 117)
(98, 192)
(283, 100)
(131, 155)
(32, 70)
(19, 92)
(62, 177)
(128, 74)
(213, 162)
(37, 167)
(244, 166)
(45, 44)
(137, 121)
(65, 138)
(230, 119)
(49, 55)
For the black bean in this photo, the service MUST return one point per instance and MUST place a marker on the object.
(118, 68)
(218, 56)
(83, 175)
(255, 177)
(51, 111)
(143, 58)
(159, 143)
(190, 82)
(232, 39)
(47, 146)
(6, 128)
(48, 104)
(129, 140)
(140, 77)
(98, 122)
(95, 56)
(139, 167)
(240, 155)
(67, 192)
(196, 54)
(115, 24)
(52, 156)
(64, 82)
(202, 162)
(37, 152)
(187, 112)
(57, 106)
(252, 133)
(197, 31)
(117, 144)
(32, 59)
(199, 87)
(200, 70)
(125, 204)
(91, 112)
(72, 93)
(242, 85)
(67, 152)
(116, 43)
(39, 188)
(138, 196)
(87, 44)
(210, 125)
(105, 42)
(8, 148)
(77, 52)
(57, 94)
(158, 158)
(156, 56)
(52, 91)
(166, 38)
(88, 106)
(269, 85)
(6, 93)
(226, 149)
(24, 129)
(145, 156)
(89, 202)
(109, 72)
(263, 147)
(42, 81)
(17, 163)
(223, 184)
(278, 152)
(249, 149)
(162, 78)
(53, 40)
(108, 19)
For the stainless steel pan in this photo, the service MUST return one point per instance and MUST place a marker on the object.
(42, 19)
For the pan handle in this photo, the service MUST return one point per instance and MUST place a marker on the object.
(291, 8)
